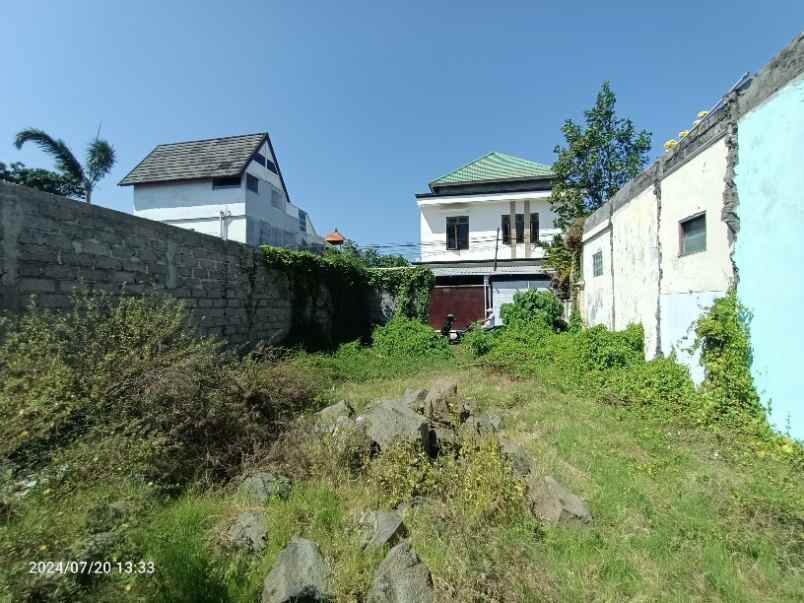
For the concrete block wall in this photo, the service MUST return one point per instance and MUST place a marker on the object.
(50, 245)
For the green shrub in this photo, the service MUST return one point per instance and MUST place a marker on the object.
(478, 341)
(402, 471)
(532, 304)
(134, 372)
(601, 349)
(724, 340)
(407, 338)
(662, 383)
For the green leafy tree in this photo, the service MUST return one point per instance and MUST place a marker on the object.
(368, 257)
(100, 158)
(43, 180)
(597, 160)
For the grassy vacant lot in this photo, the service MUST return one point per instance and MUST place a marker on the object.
(683, 510)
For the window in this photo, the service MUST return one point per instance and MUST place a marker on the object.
(252, 183)
(534, 228)
(270, 165)
(692, 235)
(597, 264)
(506, 229)
(231, 182)
(276, 198)
(302, 220)
(259, 158)
(520, 228)
(458, 232)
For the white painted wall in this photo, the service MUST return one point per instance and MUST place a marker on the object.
(197, 206)
(485, 214)
(689, 283)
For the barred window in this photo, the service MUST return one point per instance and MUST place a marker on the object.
(597, 264)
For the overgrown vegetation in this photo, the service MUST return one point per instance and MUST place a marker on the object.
(124, 434)
(349, 285)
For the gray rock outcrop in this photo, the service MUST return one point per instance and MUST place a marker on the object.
(381, 527)
(517, 456)
(327, 418)
(248, 531)
(402, 578)
(553, 503)
(260, 487)
(299, 574)
(392, 420)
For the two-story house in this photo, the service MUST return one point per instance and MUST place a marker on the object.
(482, 226)
(228, 187)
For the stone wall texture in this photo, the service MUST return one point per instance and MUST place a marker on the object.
(49, 245)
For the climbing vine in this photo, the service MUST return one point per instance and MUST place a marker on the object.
(343, 281)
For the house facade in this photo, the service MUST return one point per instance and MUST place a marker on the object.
(228, 187)
(482, 230)
(721, 210)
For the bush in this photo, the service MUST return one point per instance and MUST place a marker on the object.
(601, 349)
(134, 372)
(408, 338)
(531, 305)
(724, 340)
(478, 341)
(662, 383)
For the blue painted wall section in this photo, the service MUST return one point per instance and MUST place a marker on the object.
(769, 250)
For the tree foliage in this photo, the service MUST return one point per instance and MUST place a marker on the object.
(100, 158)
(368, 256)
(43, 180)
(598, 159)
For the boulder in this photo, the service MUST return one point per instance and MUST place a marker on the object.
(327, 418)
(553, 503)
(402, 578)
(299, 574)
(381, 527)
(392, 420)
(468, 408)
(414, 399)
(482, 425)
(248, 531)
(438, 404)
(262, 486)
(517, 456)
(405, 506)
(445, 439)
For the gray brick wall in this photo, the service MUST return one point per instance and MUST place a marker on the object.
(50, 244)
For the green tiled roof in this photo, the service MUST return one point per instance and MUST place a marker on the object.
(495, 166)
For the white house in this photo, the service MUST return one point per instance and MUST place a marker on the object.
(482, 226)
(228, 187)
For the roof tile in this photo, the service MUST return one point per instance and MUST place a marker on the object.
(493, 167)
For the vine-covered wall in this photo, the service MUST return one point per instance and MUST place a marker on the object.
(336, 299)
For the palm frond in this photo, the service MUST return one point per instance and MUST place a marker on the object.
(100, 159)
(58, 149)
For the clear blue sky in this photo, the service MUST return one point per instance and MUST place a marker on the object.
(366, 102)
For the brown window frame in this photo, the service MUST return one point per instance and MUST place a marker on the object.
(459, 242)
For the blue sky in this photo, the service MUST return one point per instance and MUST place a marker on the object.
(366, 102)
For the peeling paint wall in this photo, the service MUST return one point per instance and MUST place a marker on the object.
(769, 250)
(636, 264)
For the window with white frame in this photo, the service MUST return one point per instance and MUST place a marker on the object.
(597, 264)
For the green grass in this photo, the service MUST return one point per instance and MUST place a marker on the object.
(682, 511)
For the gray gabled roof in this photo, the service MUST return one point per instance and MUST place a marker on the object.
(211, 158)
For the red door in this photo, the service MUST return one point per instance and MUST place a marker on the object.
(464, 302)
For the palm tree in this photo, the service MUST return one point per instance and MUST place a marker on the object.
(100, 157)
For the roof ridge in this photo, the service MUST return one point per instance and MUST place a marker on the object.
(466, 165)
(168, 144)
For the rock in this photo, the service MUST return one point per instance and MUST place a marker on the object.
(517, 456)
(414, 399)
(445, 439)
(402, 578)
(438, 404)
(248, 531)
(327, 418)
(468, 408)
(553, 503)
(261, 486)
(482, 425)
(381, 527)
(299, 574)
(391, 421)
(405, 506)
